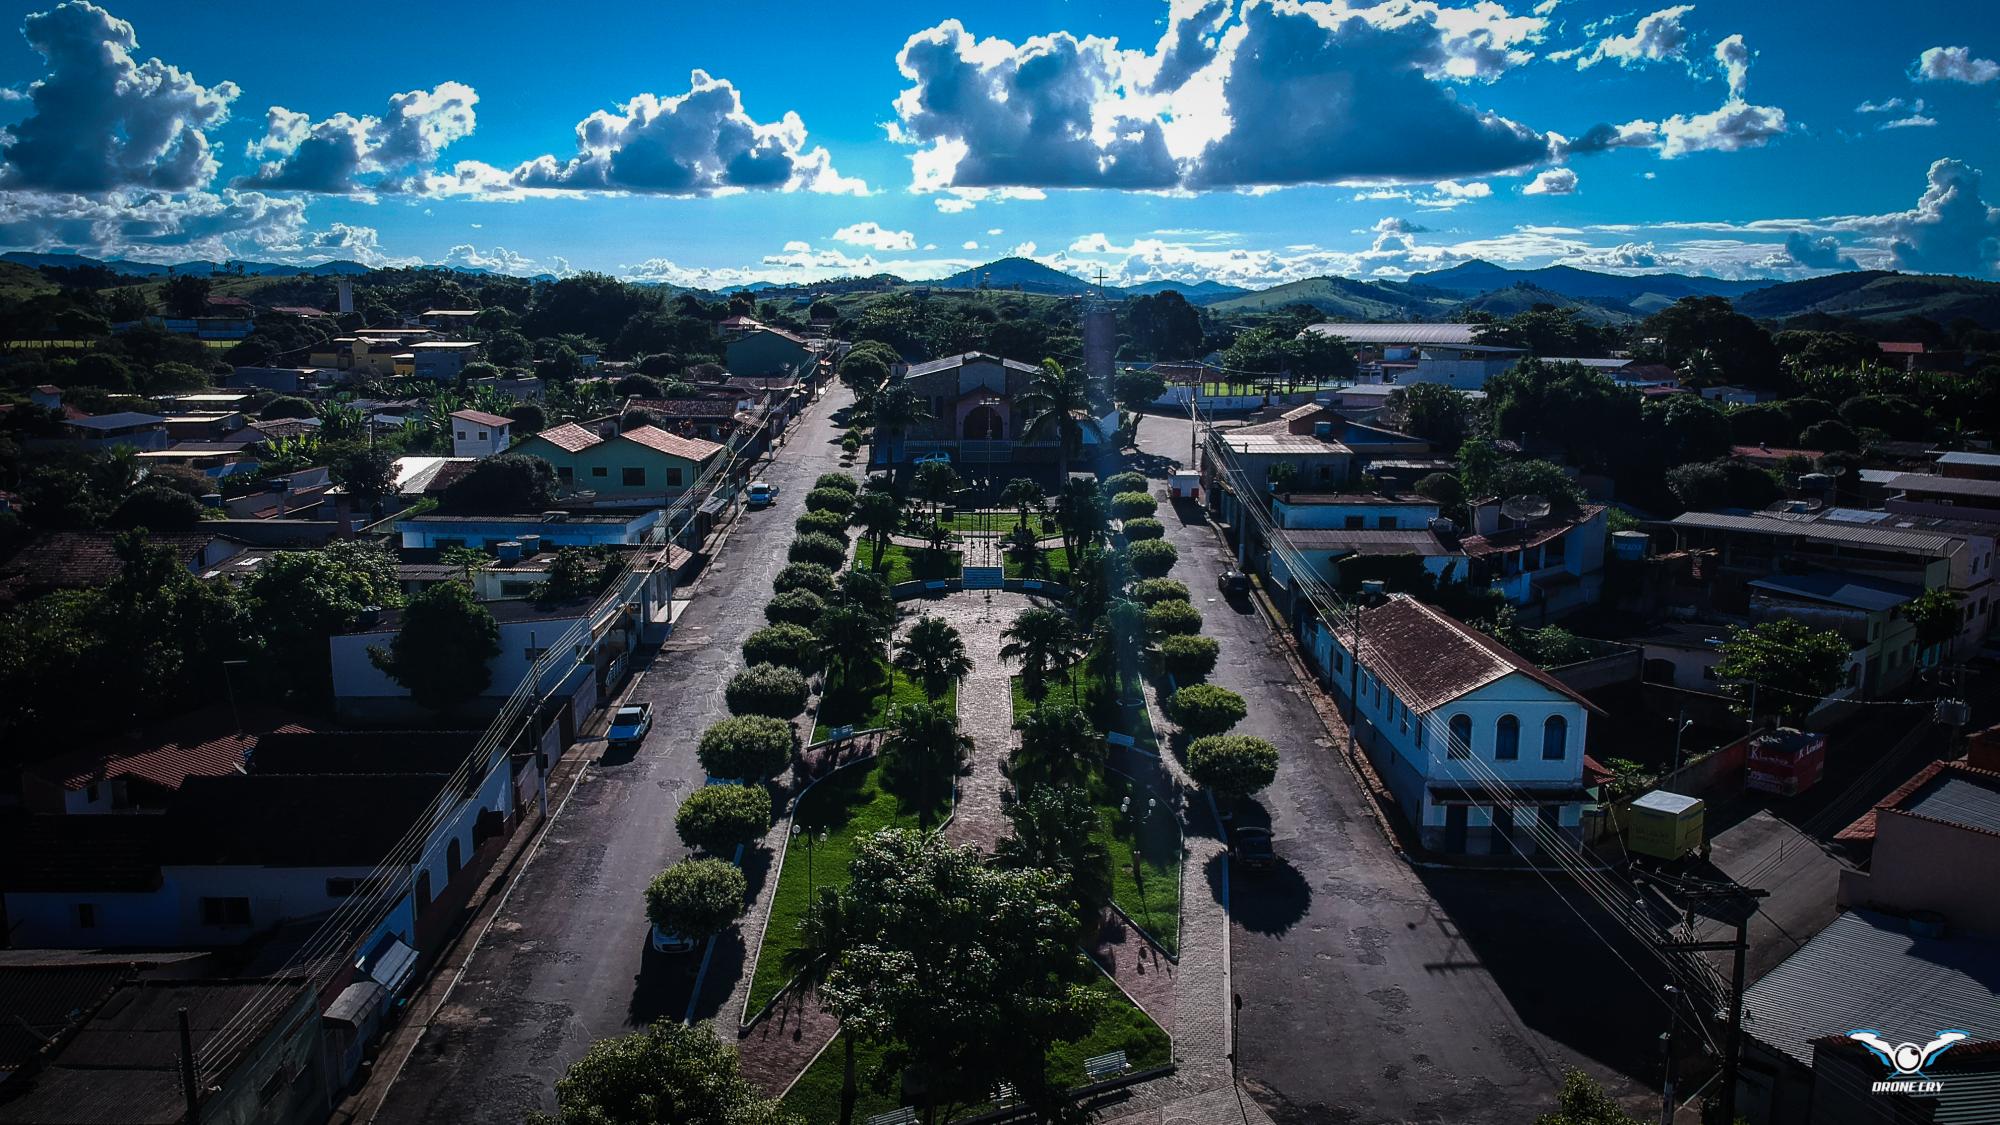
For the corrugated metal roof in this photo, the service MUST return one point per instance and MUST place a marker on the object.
(1960, 799)
(1867, 970)
(1404, 333)
(1947, 486)
(1368, 541)
(1818, 531)
(1984, 460)
(1852, 591)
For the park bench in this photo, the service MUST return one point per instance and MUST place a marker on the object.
(904, 1116)
(1099, 1067)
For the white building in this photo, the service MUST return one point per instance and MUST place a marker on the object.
(475, 433)
(1446, 353)
(1476, 742)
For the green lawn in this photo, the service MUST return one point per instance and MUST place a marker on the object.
(873, 704)
(906, 564)
(847, 806)
(1145, 857)
(1057, 570)
(1121, 1026)
(1091, 692)
(1003, 521)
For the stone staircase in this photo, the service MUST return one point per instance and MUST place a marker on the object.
(984, 566)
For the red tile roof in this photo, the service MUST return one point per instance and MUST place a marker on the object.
(1438, 659)
(1897, 347)
(1764, 452)
(570, 437)
(687, 407)
(166, 764)
(75, 559)
(1527, 538)
(673, 445)
(483, 418)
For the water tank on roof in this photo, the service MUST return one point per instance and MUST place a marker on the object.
(1373, 591)
(509, 550)
(531, 545)
(1630, 546)
(1323, 431)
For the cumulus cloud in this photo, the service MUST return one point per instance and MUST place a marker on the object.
(702, 142)
(333, 156)
(1555, 181)
(874, 235)
(1918, 120)
(1951, 229)
(1737, 125)
(1818, 253)
(969, 244)
(1889, 106)
(1605, 137)
(1366, 96)
(1441, 196)
(100, 120)
(1657, 37)
(1627, 256)
(1955, 64)
(497, 260)
(151, 226)
(1734, 58)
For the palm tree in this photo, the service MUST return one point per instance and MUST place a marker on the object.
(1041, 641)
(1059, 746)
(892, 412)
(923, 754)
(1080, 513)
(878, 514)
(851, 639)
(824, 939)
(1022, 495)
(1052, 402)
(936, 481)
(934, 655)
(1027, 551)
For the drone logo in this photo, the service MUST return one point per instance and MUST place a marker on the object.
(1907, 1061)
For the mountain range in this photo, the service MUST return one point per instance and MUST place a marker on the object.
(1475, 286)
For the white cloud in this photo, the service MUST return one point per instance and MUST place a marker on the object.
(333, 156)
(1022, 250)
(1555, 181)
(1889, 106)
(152, 226)
(1737, 125)
(1734, 58)
(1605, 137)
(1955, 64)
(699, 143)
(1656, 37)
(969, 244)
(875, 236)
(952, 205)
(1913, 121)
(1817, 253)
(101, 121)
(1951, 229)
(497, 260)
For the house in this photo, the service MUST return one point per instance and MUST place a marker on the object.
(1969, 466)
(1446, 713)
(284, 380)
(441, 360)
(1953, 497)
(1865, 610)
(716, 417)
(211, 458)
(1547, 561)
(76, 560)
(520, 388)
(449, 320)
(766, 351)
(1447, 353)
(475, 433)
(1769, 457)
(437, 530)
(643, 465)
(1681, 654)
(369, 352)
(1931, 848)
(1731, 395)
(131, 773)
(128, 429)
(284, 495)
(206, 426)
(1904, 978)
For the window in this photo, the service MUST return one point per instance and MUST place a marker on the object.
(461, 435)
(1555, 738)
(86, 915)
(599, 471)
(1507, 739)
(482, 435)
(1461, 737)
(1356, 523)
(1386, 523)
(565, 473)
(225, 911)
(633, 476)
(1422, 727)
(1340, 661)
(673, 477)
(90, 792)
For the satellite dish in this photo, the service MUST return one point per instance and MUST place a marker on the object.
(1525, 509)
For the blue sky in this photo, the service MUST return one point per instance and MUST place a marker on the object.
(1252, 141)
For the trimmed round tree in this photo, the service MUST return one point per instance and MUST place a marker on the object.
(746, 748)
(842, 481)
(794, 607)
(1173, 618)
(830, 500)
(804, 576)
(717, 818)
(1204, 709)
(766, 689)
(1133, 505)
(1140, 528)
(823, 523)
(1188, 658)
(1127, 481)
(791, 646)
(821, 549)
(697, 898)
(1152, 558)
(1153, 591)
(1232, 765)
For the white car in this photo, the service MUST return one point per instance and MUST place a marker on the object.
(664, 942)
(761, 494)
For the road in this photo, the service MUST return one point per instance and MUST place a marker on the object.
(1371, 991)
(566, 961)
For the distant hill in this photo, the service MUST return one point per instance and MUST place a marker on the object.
(1344, 298)
(19, 282)
(1024, 274)
(194, 268)
(1640, 293)
(1878, 295)
(1519, 298)
(1196, 292)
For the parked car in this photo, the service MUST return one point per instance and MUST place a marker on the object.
(664, 942)
(1232, 582)
(1252, 847)
(629, 724)
(941, 457)
(761, 494)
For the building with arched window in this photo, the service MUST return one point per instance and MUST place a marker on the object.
(1483, 750)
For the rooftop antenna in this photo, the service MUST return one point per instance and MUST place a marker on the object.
(1100, 283)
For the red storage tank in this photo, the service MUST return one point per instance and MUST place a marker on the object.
(1786, 761)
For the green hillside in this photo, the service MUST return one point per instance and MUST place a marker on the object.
(1878, 295)
(1514, 299)
(1343, 298)
(18, 282)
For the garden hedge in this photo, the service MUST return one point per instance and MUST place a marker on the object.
(1204, 709)
(817, 547)
(1233, 765)
(1131, 505)
(697, 898)
(1144, 527)
(830, 500)
(718, 818)
(795, 607)
(789, 646)
(1187, 658)
(766, 689)
(1152, 558)
(842, 481)
(1173, 618)
(746, 748)
(1153, 591)
(804, 576)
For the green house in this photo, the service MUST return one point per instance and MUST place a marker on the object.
(765, 351)
(642, 465)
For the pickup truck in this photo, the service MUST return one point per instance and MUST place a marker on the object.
(761, 494)
(629, 724)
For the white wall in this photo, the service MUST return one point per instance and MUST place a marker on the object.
(1408, 516)
(467, 442)
(355, 676)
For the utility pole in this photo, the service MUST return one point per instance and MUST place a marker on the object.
(188, 1091)
(1667, 1059)
(1731, 903)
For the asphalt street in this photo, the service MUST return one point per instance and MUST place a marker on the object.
(1371, 991)
(567, 960)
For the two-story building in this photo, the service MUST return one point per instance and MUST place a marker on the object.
(764, 350)
(641, 466)
(1328, 528)
(441, 360)
(973, 403)
(475, 433)
(1547, 561)
(1480, 747)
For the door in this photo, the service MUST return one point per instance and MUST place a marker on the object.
(1503, 831)
(1454, 829)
